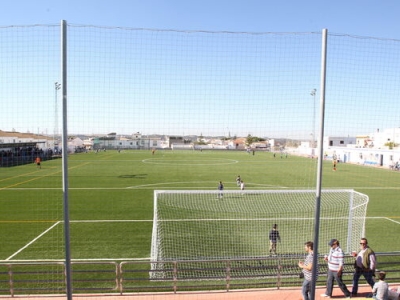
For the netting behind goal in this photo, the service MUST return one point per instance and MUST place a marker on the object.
(205, 225)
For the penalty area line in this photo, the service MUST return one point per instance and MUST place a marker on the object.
(397, 222)
(385, 218)
(34, 240)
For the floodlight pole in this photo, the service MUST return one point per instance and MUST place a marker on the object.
(57, 86)
(313, 93)
(320, 161)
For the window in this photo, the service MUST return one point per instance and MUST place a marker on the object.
(341, 142)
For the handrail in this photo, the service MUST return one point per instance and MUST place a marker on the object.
(122, 277)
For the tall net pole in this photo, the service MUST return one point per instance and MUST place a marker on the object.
(65, 159)
(320, 162)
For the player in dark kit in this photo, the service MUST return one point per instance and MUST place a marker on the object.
(220, 188)
(274, 237)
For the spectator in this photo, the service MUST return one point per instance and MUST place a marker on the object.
(335, 260)
(365, 265)
(307, 267)
(380, 290)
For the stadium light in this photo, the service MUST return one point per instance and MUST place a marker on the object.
(57, 86)
(313, 93)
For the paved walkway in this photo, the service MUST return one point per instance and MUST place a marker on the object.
(268, 294)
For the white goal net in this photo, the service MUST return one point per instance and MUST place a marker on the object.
(204, 225)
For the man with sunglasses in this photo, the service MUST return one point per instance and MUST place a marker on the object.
(365, 265)
(335, 261)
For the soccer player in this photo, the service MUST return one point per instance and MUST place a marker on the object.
(220, 188)
(238, 180)
(242, 185)
(274, 237)
(37, 162)
(334, 161)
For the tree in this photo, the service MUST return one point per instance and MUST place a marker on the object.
(200, 140)
(253, 139)
(249, 140)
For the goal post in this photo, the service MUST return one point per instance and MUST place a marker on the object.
(204, 225)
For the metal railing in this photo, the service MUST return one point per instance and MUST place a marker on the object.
(124, 277)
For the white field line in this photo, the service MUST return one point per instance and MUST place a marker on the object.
(108, 221)
(34, 240)
(255, 219)
(397, 222)
(151, 187)
(143, 258)
(216, 220)
(160, 186)
(188, 220)
(386, 218)
(165, 185)
(78, 259)
(107, 259)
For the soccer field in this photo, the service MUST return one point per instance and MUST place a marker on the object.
(111, 198)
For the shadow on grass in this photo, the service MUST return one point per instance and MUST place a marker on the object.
(133, 176)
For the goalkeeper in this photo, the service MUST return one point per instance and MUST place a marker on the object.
(274, 237)
(220, 188)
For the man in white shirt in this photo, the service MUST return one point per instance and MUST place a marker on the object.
(335, 260)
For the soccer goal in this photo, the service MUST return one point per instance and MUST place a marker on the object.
(205, 225)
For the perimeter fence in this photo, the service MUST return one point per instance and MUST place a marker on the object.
(141, 88)
(132, 277)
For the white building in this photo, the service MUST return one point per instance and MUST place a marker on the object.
(380, 138)
(331, 141)
(364, 156)
(135, 141)
(12, 139)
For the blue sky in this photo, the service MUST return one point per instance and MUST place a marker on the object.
(212, 93)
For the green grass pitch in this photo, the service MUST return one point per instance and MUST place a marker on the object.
(111, 197)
